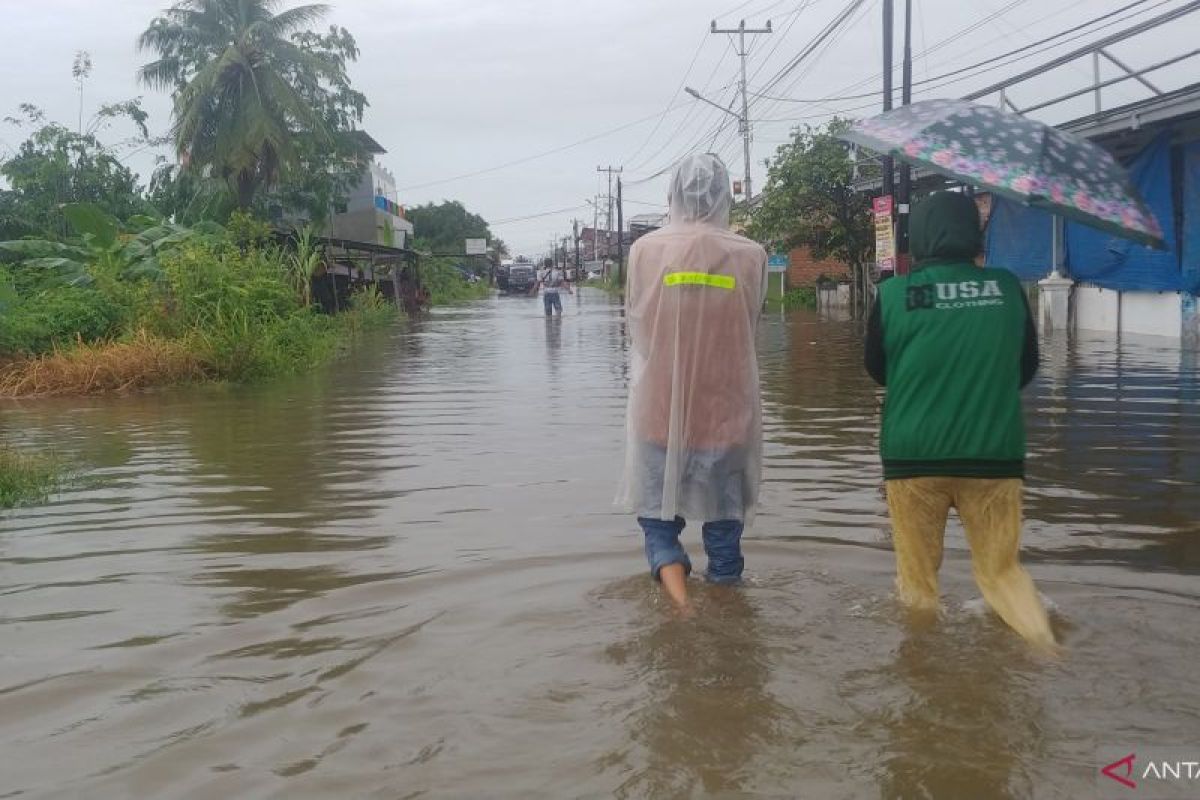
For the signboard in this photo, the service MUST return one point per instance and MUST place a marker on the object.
(737, 187)
(885, 234)
(777, 263)
(476, 247)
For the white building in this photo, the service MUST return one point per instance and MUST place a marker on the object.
(373, 212)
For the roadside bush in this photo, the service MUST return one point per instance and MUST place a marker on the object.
(224, 288)
(240, 349)
(59, 317)
(447, 286)
(800, 297)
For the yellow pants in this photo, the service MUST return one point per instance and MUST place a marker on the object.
(990, 510)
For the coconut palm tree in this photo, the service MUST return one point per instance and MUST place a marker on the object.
(239, 85)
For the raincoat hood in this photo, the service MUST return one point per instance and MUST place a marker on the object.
(700, 191)
(945, 226)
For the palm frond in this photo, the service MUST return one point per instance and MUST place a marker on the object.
(294, 19)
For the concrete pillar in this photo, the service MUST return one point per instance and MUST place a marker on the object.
(1191, 321)
(1055, 303)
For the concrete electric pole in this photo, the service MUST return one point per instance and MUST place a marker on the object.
(611, 170)
(744, 121)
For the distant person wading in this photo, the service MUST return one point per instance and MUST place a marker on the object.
(553, 281)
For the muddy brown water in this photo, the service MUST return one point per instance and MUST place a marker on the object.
(404, 578)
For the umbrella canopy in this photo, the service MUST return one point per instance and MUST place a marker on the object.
(1023, 159)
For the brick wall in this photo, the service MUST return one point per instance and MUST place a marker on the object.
(804, 269)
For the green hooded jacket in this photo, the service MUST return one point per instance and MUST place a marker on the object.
(954, 344)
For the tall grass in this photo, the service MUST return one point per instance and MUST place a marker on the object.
(94, 367)
(446, 285)
(26, 477)
(218, 311)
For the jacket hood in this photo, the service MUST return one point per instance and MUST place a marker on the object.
(700, 191)
(945, 225)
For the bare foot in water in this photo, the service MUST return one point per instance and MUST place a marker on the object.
(674, 583)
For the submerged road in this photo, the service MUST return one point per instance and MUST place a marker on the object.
(404, 577)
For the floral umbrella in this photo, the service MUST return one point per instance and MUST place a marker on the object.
(1025, 160)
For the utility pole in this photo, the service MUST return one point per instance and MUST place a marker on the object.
(609, 221)
(596, 229)
(904, 193)
(889, 187)
(620, 238)
(575, 233)
(744, 123)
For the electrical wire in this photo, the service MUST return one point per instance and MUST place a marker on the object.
(680, 154)
(827, 31)
(675, 96)
(679, 128)
(536, 156)
(779, 40)
(1003, 60)
(539, 215)
(841, 96)
(971, 67)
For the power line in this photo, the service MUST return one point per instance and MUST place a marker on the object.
(827, 31)
(829, 42)
(690, 148)
(675, 96)
(795, 15)
(686, 117)
(536, 156)
(1003, 60)
(538, 215)
(976, 65)
(955, 35)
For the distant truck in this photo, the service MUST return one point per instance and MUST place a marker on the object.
(518, 279)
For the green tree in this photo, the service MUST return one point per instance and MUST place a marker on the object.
(245, 90)
(810, 198)
(57, 166)
(327, 170)
(443, 226)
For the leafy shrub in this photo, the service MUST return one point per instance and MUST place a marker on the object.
(57, 318)
(800, 297)
(446, 285)
(219, 287)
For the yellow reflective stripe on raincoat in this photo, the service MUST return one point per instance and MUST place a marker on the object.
(699, 279)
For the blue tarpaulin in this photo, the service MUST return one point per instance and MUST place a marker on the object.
(1114, 263)
(1018, 239)
(1191, 218)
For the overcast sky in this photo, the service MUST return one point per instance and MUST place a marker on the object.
(463, 86)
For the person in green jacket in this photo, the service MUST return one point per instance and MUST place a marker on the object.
(954, 344)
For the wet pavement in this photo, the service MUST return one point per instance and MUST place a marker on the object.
(404, 578)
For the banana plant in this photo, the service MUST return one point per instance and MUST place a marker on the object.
(99, 243)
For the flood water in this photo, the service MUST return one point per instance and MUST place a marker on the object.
(404, 578)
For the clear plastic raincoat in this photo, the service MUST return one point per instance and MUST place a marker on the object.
(693, 297)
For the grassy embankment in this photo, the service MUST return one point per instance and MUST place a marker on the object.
(213, 310)
(609, 284)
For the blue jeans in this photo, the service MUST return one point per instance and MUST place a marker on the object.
(722, 544)
(551, 302)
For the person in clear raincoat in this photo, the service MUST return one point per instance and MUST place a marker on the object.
(693, 297)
